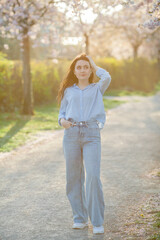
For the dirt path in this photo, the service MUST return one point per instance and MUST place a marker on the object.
(33, 204)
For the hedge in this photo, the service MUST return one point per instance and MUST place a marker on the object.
(133, 75)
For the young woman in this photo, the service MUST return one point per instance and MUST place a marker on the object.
(82, 115)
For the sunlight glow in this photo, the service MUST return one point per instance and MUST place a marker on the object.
(71, 40)
(111, 9)
(88, 16)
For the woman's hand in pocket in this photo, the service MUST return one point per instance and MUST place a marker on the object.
(66, 124)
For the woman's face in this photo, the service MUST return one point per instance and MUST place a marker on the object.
(82, 70)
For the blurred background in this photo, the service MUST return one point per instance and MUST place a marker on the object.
(39, 39)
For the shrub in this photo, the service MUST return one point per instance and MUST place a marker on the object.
(130, 75)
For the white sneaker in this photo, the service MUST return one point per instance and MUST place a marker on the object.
(80, 225)
(98, 230)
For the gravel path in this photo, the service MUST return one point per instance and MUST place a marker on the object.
(33, 204)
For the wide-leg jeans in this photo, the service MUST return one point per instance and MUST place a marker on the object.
(82, 149)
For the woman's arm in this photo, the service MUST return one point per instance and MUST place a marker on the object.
(62, 113)
(94, 66)
(104, 81)
(104, 76)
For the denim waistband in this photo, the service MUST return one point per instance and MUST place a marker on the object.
(82, 123)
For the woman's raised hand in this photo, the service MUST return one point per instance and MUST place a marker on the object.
(92, 63)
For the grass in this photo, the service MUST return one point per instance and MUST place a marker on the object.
(109, 104)
(158, 174)
(144, 223)
(155, 237)
(157, 220)
(17, 129)
(129, 93)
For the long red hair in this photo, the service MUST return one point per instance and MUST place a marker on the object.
(71, 78)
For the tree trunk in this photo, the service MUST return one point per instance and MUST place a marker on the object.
(27, 82)
(86, 43)
(135, 51)
(158, 59)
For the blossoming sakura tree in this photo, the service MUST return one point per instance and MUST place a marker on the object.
(21, 19)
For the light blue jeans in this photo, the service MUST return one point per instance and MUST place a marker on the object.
(82, 147)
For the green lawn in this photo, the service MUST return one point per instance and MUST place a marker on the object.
(129, 93)
(16, 129)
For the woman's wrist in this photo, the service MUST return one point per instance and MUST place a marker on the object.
(61, 120)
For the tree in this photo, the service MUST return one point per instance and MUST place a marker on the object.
(151, 8)
(128, 22)
(20, 19)
(127, 25)
(95, 9)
